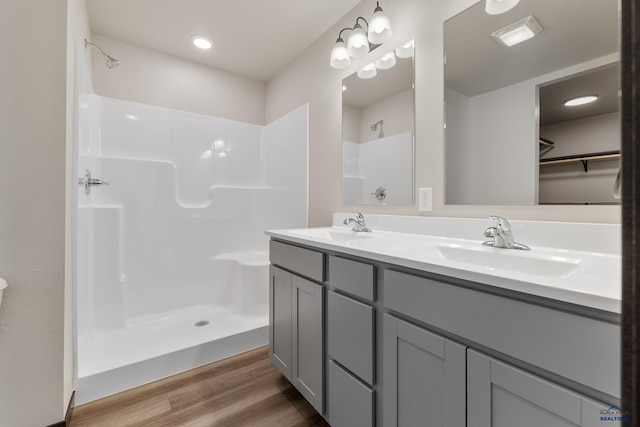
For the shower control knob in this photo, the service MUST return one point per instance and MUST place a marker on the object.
(89, 182)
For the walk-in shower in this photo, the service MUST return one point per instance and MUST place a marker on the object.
(172, 263)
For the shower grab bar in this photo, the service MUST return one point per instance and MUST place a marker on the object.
(89, 182)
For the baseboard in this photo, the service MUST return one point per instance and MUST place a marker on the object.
(68, 415)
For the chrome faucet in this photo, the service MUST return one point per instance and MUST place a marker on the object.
(358, 220)
(502, 235)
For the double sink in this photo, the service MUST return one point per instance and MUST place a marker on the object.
(587, 278)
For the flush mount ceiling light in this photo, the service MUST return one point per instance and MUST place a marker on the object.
(517, 32)
(202, 42)
(497, 7)
(581, 100)
(360, 42)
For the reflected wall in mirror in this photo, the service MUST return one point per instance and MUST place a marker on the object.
(377, 131)
(498, 105)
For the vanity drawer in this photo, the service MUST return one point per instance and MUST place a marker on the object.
(353, 277)
(350, 401)
(566, 344)
(302, 261)
(350, 335)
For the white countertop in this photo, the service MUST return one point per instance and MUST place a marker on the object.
(587, 277)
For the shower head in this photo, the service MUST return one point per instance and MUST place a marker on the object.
(374, 127)
(110, 60)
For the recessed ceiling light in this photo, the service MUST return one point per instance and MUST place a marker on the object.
(201, 42)
(581, 100)
(344, 88)
(517, 32)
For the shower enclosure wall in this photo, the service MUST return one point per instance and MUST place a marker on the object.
(172, 263)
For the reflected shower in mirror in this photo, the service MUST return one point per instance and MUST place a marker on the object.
(497, 126)
(377, 131)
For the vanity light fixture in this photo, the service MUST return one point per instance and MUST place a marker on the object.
(386, 62)
(406, 50)
(517, 32)
(368, 71)
(581, 100)
(360, 42)
(497, 7)
(202, 42)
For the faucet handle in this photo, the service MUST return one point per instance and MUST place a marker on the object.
(503, 224)
(358, 215)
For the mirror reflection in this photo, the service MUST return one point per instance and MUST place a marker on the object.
(378, 131)
(509, 139)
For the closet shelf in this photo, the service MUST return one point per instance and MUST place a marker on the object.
(584, 158)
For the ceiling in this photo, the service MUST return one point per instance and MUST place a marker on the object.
(251, 38)
(574, 31)
(603, 82)
(361, 93)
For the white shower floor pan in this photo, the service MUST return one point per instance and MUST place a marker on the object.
(155, 347)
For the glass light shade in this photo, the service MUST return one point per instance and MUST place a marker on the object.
(357, 44)
(340, 55)
(379, 27)
(386, 62)
(496, 7)
(406, 50)
(368, 72)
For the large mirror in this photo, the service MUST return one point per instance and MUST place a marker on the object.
(378, 131)
(509, 138)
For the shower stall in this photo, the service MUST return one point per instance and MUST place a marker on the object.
(172, 261)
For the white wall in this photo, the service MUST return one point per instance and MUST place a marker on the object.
(154, 78)
(310, 79)
(501, 155)
(396, 111)
(33, 135)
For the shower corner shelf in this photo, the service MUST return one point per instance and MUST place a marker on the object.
(583, 158)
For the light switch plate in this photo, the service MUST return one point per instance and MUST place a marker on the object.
(425, 199)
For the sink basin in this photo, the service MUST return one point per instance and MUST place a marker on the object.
(334, 235)
(540, 264)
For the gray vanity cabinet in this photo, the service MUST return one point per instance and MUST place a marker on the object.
(296, 304)
(499, 395)
(424, 377)
(350, 343)
(280, 319)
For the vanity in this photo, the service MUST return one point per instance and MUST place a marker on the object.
(418, 323)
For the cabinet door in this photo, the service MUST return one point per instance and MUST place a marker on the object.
(280, 318)
(350, 335)
(424, 377)
(351, 403)
(307, 367)
(499, 395)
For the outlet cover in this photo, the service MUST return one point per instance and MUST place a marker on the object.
(425, 199)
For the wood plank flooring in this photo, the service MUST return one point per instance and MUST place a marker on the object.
(243, 390)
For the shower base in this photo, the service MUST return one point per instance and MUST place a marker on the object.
(155, 347)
